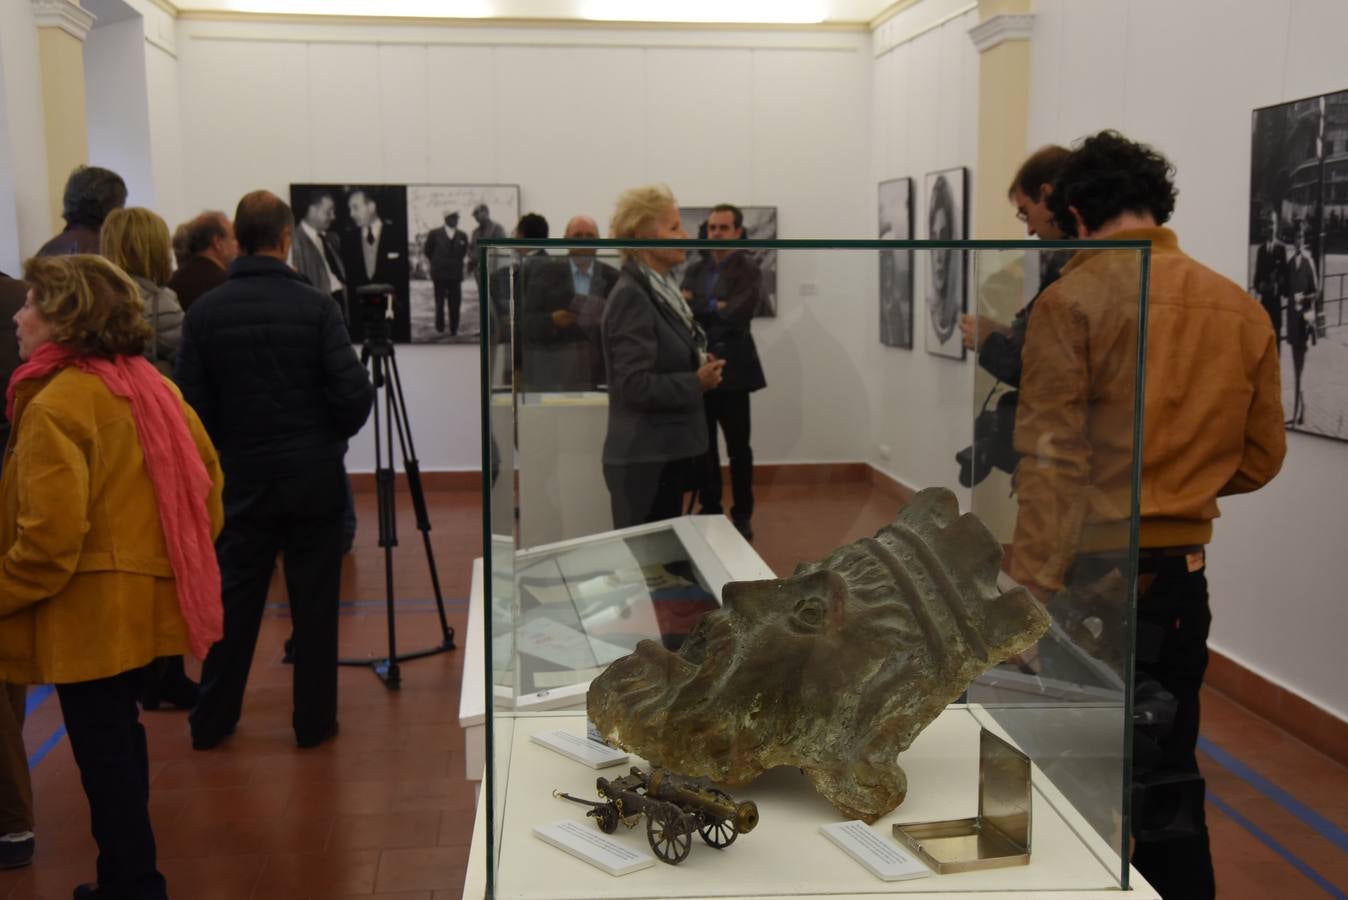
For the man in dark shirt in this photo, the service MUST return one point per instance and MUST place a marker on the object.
(723, 289)
(91, 193)
(1270, 276)
(445, 251)
(211, 247)
(266, 362)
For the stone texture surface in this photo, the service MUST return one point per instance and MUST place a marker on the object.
(834, 670)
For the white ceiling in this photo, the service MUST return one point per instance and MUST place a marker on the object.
(750, 11)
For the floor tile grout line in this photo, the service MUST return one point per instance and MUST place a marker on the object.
(1269, 841)
(1290, 804)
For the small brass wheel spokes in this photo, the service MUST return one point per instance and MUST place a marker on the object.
(720, 833)
(668, 836)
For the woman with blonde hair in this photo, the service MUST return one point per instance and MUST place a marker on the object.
(658, 368)
(138, 241)
(109, 507)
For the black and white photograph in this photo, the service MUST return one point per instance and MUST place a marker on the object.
(350, 235)
(946, 214)
(895, 199)
(760, 224)
(1298, 253)
(446, 223)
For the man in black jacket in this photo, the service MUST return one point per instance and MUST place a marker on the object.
(445, 251)
(266, 362)
(723, 289)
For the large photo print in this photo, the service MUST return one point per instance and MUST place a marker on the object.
(896, 266)
(420, 239)
(447, 222)
(760, 224)
(1298, 253)
(350, 235)
(946, 215)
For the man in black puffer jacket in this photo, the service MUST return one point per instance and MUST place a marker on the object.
(266, 362)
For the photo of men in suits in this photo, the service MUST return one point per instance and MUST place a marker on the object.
(315, 251)
(445, 251)
(374, 251)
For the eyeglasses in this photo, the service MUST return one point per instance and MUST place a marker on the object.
(1022, 216)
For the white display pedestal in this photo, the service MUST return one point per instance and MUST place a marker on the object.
(785, 856)
(715, 547)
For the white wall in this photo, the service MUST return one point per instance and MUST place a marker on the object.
(118, 113)
(1185, 77)
(925, 114)
(574, 117)
(25, 219)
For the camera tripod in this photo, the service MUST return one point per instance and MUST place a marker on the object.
(377, 355)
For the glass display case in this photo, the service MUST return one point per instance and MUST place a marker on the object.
(870, 396)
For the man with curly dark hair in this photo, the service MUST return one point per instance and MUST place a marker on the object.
(91, 193)
(1212, 426)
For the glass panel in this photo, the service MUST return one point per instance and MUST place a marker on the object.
(1065, 703)
(611, 524)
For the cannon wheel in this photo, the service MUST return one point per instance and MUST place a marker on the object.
(668, 837)
(719, 833)
(606, 817)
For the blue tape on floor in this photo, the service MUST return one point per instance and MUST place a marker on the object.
(46, 748)
(1321, 882)
(1307, 816)
(36, 696)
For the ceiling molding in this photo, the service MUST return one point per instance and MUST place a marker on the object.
(999, 29)
(168, 7)
(890, 12)
(202, 15)
(66, 15)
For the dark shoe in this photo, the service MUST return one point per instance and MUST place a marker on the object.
(16, 854)
(202, 740)
(87, 892)
(744, 528)
(307, 743)
(348, 542)
(288, 655)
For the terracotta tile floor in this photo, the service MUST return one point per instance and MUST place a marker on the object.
(384, 812)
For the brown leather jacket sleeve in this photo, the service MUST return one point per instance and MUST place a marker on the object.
(1052, 432)
(1265, 433)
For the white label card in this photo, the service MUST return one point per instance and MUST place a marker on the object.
(882, 857)
(584, 841)
(581, 749)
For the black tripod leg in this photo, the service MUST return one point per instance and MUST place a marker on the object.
(388, 524)
(415, 487)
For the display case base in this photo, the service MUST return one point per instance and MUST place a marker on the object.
(786, 856)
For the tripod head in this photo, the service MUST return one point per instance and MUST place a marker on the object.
(374, 307)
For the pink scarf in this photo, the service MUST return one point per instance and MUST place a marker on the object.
(181, 483)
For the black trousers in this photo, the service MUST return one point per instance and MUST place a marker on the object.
(300, 517)
(1272, 304)
(1169, 828)
(448, 291)
(108, 741)
(648, 492)
(729, 409)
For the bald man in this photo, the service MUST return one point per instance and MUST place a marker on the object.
(563, 304)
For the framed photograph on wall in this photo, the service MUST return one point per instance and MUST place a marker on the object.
(947, 213)
(1298, 253)
(349, 235)
(760, 224)
(445, 223)
(419, 238)
(895, 206)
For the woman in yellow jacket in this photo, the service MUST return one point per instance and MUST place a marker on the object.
(109, 506)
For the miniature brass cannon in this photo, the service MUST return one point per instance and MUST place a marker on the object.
(674, 806)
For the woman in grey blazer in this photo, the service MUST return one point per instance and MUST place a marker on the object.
(658, 369)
